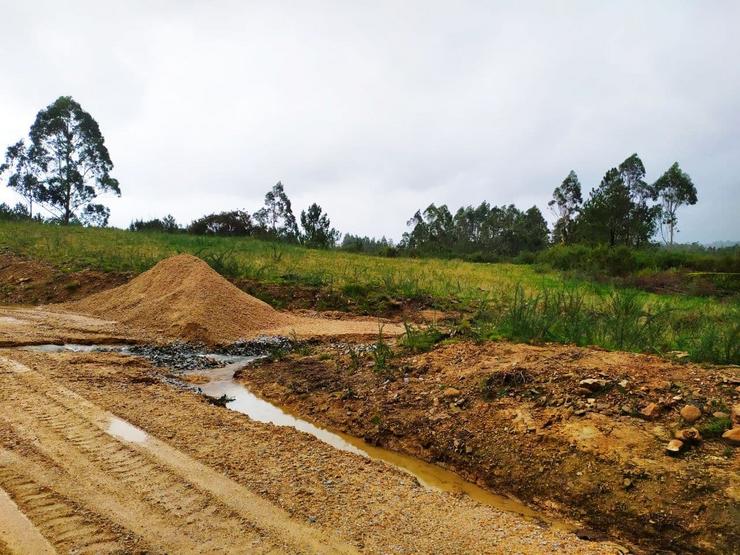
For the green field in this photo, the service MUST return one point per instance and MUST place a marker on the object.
(516, 301)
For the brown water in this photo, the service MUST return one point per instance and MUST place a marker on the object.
(429, 475)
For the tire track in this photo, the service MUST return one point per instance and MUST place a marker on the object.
(156, 492)
(66, 525)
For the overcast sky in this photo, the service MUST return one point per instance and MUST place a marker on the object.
(374, 109)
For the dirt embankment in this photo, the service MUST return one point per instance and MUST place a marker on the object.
(521, 419)
(26, 281)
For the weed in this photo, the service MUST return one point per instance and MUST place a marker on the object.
(715, 427)
(381, 352)
(420, 340)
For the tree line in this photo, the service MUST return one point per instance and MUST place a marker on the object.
(64, 166)
(274, 221)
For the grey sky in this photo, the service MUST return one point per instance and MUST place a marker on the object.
(375, 109)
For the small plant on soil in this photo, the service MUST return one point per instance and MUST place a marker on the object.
(381, 352)
(354, 359)
(420, 340)
(715, 427)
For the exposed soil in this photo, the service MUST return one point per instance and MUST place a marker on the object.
(205, 479)
(26, 281)
(516, 419)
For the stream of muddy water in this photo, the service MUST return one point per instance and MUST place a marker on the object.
(221, 382)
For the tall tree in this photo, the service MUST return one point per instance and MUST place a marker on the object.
(565, 204)
(317, 230)
(276, 217)
(606, 214)
(65, 166)
(675, 189)
(642, 217)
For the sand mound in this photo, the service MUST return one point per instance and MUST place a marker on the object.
(183, 298)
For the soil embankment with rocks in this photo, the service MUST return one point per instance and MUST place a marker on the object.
(631, 445)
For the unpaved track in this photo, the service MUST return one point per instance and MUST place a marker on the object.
(210, 480)
(159, 498)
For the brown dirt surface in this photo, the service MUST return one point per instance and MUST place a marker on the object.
(26, 281)
(206, 479)
(34, 326)
(516, 419)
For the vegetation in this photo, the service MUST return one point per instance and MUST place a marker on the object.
(65, 166)
(488, 301)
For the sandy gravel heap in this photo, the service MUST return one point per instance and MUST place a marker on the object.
(182, 297)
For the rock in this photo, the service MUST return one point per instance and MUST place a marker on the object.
(593, 384)
(736, 414)
(651, 410)
(732, 436)
(623, 384)
(691, 413)
(688, 435)
(626, 409)
(720, 414)
(451, 392)
(674, 446)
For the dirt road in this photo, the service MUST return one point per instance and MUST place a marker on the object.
(76, 477)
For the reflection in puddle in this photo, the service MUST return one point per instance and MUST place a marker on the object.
(121, 429)
(428, 475)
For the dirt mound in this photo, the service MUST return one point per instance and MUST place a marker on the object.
(183, 298)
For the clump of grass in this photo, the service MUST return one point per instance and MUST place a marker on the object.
(420, 340)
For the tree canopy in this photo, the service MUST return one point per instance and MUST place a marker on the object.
(65, 165)
(675, 189)
(317, 230)
(276, 217)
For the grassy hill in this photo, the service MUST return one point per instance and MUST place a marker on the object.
(516, 301)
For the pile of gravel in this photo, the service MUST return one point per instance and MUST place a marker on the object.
(181, 356)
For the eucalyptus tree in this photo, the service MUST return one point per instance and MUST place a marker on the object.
(675, 189)
(565, 204)
(65, 166)
(276, 217)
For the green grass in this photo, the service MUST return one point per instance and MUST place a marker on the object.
(515, 301)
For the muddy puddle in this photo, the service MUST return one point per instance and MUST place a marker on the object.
(221, 382)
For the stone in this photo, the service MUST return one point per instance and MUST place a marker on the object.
(651, 410)
(732, 436)
(674, 446)
(691, 413)
(451, 392)
(736, 414)
(688, 435)
(593, 384)
(720, 414)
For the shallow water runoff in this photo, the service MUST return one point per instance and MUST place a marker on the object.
(221, 382)
(429, 475)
